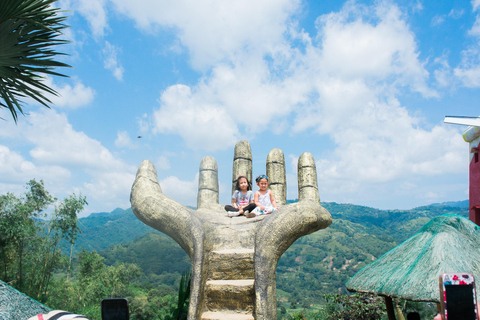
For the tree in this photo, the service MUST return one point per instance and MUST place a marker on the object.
(29, 32)
(62, 224)
(19, 232)
(94, 282)
(29, 241)
(359, 306)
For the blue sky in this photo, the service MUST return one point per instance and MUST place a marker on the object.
(362, 85)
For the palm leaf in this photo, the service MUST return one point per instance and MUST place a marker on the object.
(29, 32)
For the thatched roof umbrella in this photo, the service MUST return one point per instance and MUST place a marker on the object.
(448, 243)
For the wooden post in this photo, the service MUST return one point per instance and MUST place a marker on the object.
(390, 310)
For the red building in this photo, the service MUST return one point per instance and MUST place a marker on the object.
(472, 136)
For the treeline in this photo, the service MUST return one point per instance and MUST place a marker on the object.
(322, 262)
(29, 241)
(33, 228)
(41, 255)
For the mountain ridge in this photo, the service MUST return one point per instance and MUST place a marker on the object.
(103, 230)
(315, 264)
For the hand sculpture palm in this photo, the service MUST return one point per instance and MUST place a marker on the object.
(233, 259)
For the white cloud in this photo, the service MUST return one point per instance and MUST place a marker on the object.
(263, 74)
(109, 189)
(56, 142)
(184, 192)
(475, 30)
(68, 160)
(403, 153)
(217, 30)
(329, 88)
(162, 163)
(144, 123)
(468, 72)
(475, 4)
(416, 7)
(443, 75)
(95, 13)
(470, 77)
(456, 13)
(123, 140)
(354, 103)
(200, 124)
(354, 48)
(16, 169)
(111, 62)
(71, 97)
(438, 20)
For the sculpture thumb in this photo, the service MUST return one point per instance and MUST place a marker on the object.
(157, 210)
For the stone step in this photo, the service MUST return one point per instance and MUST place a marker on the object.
(233, 236)
(231, 264)
(226, 316)
(232, 295)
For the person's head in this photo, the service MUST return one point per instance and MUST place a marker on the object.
(243, 184)
(262, 182)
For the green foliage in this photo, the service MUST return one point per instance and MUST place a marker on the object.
(297, 316)
(152, 306)
(29, 32)
(427, 310)
(392, 223)
(356, 307)
(103, 230)
(29, 244)
(95, 281)
(322, 262)
(314, 265)
(161, 259)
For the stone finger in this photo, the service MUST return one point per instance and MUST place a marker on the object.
(276, 175)
(207, 183)
(307, 178)
(242, 162)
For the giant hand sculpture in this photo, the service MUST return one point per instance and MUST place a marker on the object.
(233, 259)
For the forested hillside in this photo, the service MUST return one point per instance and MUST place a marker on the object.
(103, 230)
(314, 265)
(323, 261)
(117, 255)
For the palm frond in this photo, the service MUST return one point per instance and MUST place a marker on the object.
(29, 32)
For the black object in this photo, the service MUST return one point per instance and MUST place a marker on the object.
(115, 309)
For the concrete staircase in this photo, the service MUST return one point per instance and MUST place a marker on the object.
(229, 289)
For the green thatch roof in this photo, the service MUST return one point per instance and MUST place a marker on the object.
(448, 243)
(15, 305)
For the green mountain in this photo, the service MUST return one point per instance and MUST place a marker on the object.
(323, 261)
(314, 265)
(103, 230)
(161, 259)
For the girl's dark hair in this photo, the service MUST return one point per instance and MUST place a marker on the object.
(257, 180)
(237, 186)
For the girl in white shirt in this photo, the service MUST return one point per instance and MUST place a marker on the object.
(264, 199)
